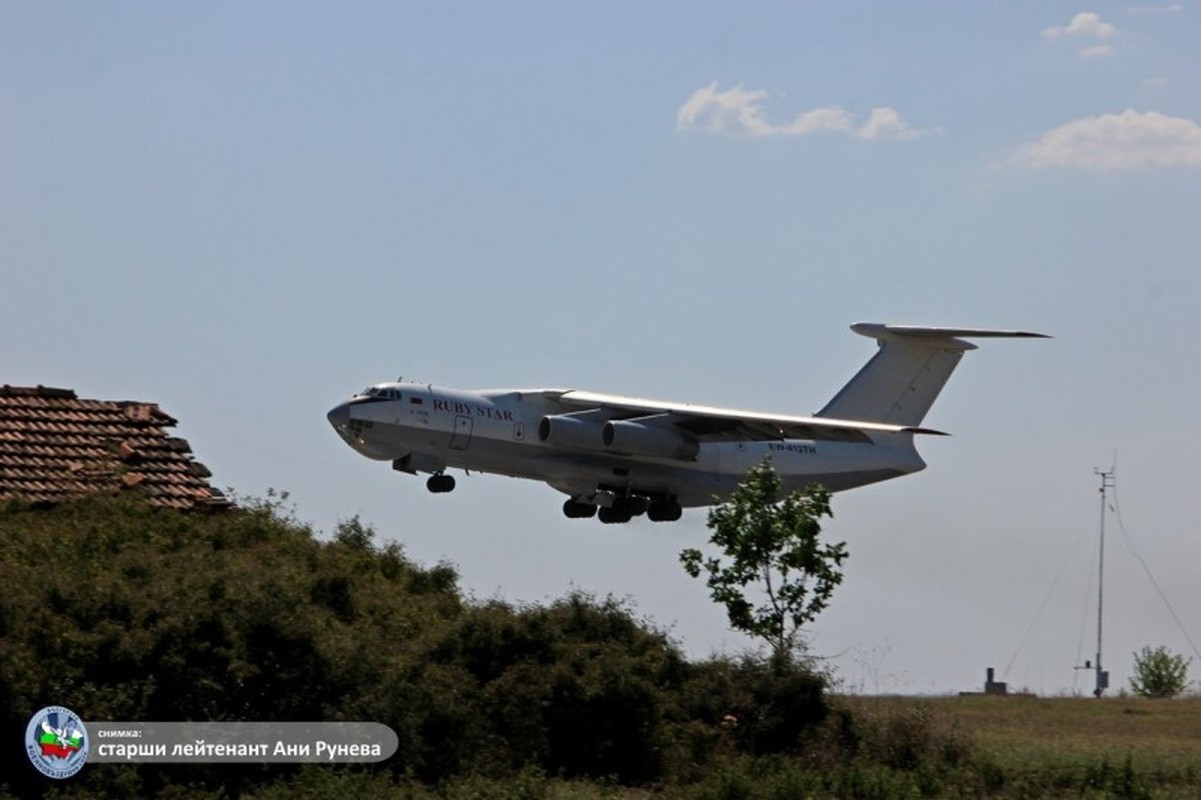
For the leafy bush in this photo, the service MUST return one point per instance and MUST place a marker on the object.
(1159, 673)
(125, 612)
(751, 705)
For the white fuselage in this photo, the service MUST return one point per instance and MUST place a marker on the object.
(617, 457)
(428, 428)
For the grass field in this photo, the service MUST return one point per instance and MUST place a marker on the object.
(1117, 746)
(993, 747)
(1017, 731)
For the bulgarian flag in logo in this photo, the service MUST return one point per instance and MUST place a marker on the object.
(59, 743)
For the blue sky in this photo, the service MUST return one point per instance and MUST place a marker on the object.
(245, 212)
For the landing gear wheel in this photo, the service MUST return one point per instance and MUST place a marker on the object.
(613, 515)
(664, 511)
(633, 506)
(577, 510)
(440, 483)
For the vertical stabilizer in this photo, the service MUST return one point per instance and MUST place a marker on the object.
(901, 381)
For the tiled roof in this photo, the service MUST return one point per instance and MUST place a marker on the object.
(55, 446)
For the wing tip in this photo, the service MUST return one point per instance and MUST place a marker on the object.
(926, 431)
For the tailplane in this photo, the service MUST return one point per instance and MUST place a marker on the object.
(900, 382)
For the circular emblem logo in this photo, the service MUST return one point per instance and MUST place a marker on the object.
(56, 742)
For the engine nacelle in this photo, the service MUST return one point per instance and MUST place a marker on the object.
(652, 441)
(571, 430)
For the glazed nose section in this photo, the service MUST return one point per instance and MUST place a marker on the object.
(339, 417)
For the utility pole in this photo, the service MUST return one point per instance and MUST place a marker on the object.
(1102, 677)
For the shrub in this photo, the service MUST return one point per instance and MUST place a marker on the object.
(1159, 673)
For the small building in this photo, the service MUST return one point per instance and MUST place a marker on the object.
(991, 686)
(55, 446)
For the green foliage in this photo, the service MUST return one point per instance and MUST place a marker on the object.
(771, 542)
(1159, 672)
(353, 533)
(119, 611)
(750, 706)
(901, 735)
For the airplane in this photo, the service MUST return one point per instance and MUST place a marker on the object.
(618, 457)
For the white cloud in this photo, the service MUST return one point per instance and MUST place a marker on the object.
(829, 119)
(739, 112)
(1117, 141)
(734, 111)
(1087, 24)
(886, 123)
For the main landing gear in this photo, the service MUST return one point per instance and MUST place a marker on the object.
(574, 509)
(440, 483)
(664, 511)
(624, 509)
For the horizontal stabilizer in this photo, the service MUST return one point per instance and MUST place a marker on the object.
(880, 331)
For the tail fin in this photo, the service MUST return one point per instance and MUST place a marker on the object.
(900, 382)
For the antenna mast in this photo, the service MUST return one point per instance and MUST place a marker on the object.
(1107, 482)
(1102, 677)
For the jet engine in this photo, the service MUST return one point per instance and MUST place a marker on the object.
(571, 430)
(653, 441)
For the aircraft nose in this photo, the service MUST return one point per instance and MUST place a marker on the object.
(339, 416)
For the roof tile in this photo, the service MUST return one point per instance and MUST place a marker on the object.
(54, 445)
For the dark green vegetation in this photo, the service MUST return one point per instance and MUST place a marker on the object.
(122, 612)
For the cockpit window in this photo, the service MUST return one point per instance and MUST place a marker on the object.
(380, 393)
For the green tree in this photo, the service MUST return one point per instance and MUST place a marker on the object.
(1159, 673)
(771, 543)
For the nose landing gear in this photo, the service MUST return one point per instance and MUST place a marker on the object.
(440, 483)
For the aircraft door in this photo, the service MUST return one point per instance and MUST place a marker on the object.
(461, 438)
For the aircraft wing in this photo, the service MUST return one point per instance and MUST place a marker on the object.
(709, 423)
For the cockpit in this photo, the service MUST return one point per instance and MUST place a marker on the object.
(379, 393)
